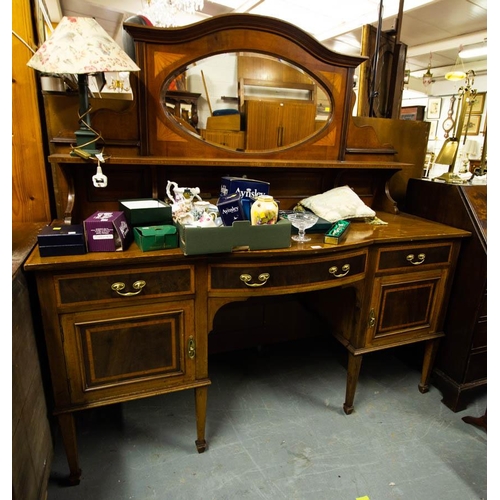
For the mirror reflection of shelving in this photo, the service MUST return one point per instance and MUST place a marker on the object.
(248, 101)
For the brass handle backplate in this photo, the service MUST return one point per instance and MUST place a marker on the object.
(119, 286)
(420, 257)
(371, 319)
(345, 268)
(191, 348)
(247, 278)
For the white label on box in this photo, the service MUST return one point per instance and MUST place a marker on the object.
(103, 237)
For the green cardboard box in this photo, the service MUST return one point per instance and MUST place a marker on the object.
(156, 237)
(146, 212)
(240, 236)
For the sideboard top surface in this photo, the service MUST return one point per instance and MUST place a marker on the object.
(399, 228)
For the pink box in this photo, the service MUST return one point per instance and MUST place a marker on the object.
(107, 232)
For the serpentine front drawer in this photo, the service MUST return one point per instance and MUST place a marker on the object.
(125, 286)
(413, 256)
(289, 276)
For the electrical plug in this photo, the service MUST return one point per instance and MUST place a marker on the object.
(99, 179)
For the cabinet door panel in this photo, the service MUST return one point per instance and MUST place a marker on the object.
(406, 306)
(114, 350)
(298, 122)
(273, 124)
(263, 122)
(126, 350)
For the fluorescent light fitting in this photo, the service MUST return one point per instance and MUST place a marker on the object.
(470, 53)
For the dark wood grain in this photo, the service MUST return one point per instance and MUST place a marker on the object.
(461, 365)
(32, 445)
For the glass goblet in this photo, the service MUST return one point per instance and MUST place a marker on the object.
(302, 221)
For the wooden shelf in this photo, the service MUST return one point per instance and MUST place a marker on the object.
(247, 161)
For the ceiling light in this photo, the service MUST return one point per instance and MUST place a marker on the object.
(427, 76)
(457, 73)
(163, 13)
(455, 76)
(474, 52)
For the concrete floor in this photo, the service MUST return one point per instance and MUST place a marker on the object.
(276, 430)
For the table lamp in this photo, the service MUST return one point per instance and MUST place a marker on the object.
(79, 45)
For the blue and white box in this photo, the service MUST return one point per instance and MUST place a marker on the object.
(230, 208)
(249, 188)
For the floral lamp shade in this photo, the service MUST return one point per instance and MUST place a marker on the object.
(79, 45)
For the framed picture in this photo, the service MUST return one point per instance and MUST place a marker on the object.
(472, 127)
(433, 108)
(433, 130)
(478, 106)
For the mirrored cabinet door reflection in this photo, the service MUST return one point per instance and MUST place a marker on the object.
(246, 102)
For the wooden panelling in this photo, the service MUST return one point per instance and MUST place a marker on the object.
(30, 198)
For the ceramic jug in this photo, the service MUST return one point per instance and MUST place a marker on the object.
(264, 210)
(181, 198)
(201, 208)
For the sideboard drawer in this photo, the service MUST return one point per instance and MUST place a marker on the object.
(410, 256)
(114, 286)
(291, 275)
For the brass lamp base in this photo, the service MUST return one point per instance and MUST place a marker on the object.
(450, 178)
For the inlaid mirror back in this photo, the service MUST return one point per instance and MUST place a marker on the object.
(242, 86)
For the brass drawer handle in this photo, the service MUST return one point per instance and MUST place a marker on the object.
(246, 278)
(345, 268)
(119, 286)
(421, 258)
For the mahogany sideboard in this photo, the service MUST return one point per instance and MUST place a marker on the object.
(385, 286)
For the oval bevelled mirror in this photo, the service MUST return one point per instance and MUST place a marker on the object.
(247, 101)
